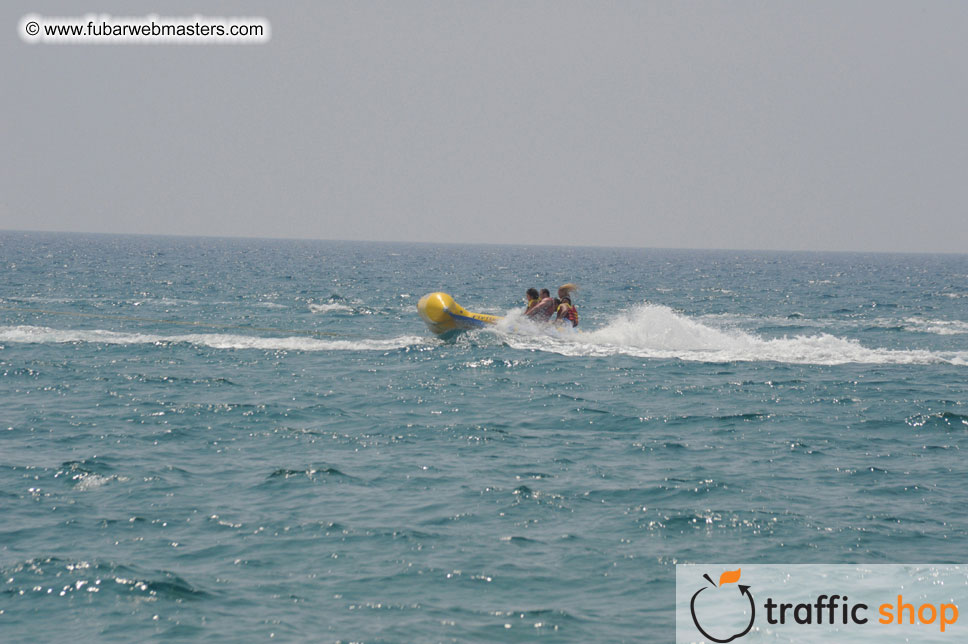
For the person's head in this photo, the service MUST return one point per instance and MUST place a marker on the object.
(564, 291)
(532, 293)
(545, 293)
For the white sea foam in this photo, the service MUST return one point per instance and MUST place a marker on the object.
(654, 331)
(911, 324)
(47, 335)
(794, 319)
(326, 308)
(87, 481)
(916, 325)
(939, 327)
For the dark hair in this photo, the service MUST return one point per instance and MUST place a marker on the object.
(532, 293)
(545, 293)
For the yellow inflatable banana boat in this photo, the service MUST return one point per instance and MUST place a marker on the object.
(443, 315)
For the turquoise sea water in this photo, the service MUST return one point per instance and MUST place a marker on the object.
(238, 440)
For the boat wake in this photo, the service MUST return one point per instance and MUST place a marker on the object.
(656, 331)
(47, 335)
(647, 331)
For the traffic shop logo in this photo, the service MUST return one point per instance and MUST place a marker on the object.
(724, 594)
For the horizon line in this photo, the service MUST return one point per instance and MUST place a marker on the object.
(461, 243)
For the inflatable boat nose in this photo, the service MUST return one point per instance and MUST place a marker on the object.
(433, 309)
(443, 315)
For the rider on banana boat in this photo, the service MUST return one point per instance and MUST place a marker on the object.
(566, 310)
(531, 297)
(544, 308)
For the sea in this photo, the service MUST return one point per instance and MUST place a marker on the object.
(242, 440)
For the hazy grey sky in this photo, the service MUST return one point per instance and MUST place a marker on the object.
(780, 125)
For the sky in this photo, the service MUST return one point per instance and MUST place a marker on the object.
(826, 125)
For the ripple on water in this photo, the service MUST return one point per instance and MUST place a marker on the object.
(55, 577)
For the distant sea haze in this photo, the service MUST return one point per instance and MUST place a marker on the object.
(237, 439)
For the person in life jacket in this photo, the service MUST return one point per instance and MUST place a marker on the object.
(566, 310)
(544, 308)
(531, 297)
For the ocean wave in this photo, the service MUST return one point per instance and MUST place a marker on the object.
(656, 331)
(46, 335)
(53, 576)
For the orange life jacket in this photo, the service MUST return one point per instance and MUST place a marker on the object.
(569, 313)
